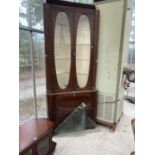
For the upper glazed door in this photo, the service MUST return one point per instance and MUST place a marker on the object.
(70, 54)
(62, 49)
(84, 49)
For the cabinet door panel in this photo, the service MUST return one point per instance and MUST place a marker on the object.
(83, 48)
(62, 49)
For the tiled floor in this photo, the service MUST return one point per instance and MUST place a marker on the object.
(100, 141)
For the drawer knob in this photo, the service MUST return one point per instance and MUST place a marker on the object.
(35, 138)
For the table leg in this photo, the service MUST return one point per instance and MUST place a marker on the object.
(50, 141)
(51, 145)
(34, 150)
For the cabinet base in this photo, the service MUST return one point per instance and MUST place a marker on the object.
(113, 126)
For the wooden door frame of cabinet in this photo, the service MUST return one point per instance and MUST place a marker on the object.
(51, 79)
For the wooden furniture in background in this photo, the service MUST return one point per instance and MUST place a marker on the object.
(133, 128)
(132, 153)
(71, 36)
(31, 135)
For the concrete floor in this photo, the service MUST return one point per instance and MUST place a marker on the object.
(100, 141)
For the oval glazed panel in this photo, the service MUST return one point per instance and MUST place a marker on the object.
(62, 49)
(83, 51)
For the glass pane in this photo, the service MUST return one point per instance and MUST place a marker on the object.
(83, 51)
(37, 14)
(26, 94)
(62, 49)
(84, 1)
(39, 68)
(81, 1)
(23, 13)
(77, 121)
(131, 50)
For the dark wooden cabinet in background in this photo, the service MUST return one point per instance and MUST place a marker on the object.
(71, 37)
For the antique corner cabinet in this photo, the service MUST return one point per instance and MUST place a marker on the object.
(71, 36)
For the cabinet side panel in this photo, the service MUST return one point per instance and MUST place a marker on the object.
(109, 45)
(105, 107)
(123, 63)
(110, 28)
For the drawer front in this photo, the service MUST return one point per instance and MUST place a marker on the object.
(72, 101)
(61, 106)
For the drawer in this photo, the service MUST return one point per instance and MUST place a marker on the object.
(60, 106)
(72, 102)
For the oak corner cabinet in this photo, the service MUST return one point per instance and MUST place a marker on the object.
(71, 37)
